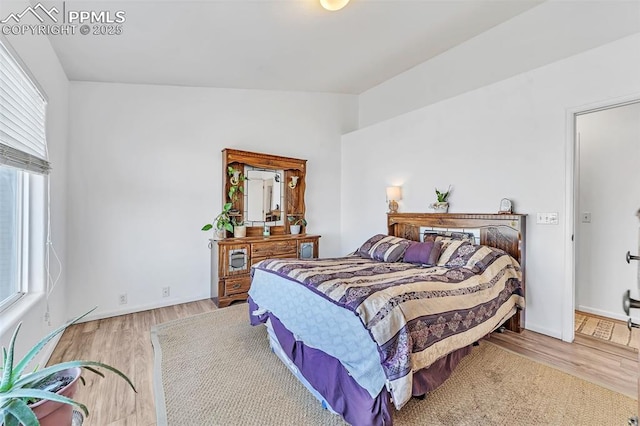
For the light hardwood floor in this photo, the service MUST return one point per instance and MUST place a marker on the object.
(124, 342)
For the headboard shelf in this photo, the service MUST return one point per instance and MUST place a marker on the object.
(504, 231)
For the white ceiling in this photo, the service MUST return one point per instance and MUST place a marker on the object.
(277, 45)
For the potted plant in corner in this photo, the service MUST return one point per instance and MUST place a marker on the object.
(442, 205)
(296, 224)
(223, 223)
(42, 397)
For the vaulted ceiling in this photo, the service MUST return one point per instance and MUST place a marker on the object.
(271, 44)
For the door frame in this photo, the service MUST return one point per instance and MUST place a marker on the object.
(572, 191)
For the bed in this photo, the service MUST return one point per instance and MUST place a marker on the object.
(368, 331)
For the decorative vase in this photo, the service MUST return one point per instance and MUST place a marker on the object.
(219, 234)
(295, 229)
(239, 231)
(440, 207)
(51, 413)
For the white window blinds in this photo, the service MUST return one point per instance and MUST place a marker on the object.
(22, 118)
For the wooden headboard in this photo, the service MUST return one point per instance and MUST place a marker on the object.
(503, 231)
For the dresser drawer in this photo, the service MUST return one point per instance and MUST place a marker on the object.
(255, 260)
(237, 285)
(274, 248)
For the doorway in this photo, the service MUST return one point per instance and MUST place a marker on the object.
(606, 198)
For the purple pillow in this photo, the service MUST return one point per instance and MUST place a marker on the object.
(423, 253)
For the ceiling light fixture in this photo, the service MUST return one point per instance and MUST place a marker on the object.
(333, 5)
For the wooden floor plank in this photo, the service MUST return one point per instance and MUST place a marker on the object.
(125, 343)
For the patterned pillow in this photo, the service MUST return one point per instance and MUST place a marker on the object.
(384, 248)
(474, 258)
(423, 253)
(449, 249)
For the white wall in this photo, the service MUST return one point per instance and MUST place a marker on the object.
(609, 175)
(544, 34)
(503, 140)
(145, 176)
(39, 57)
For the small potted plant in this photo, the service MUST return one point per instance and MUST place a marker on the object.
(42, 397)
(296, 223)
(223, 223)
(239, 228)
(442, 205)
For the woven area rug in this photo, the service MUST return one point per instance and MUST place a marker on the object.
(605, 329)
(216, 369)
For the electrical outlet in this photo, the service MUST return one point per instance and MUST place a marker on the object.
(122, 299)
(166, 291)
(586, 217)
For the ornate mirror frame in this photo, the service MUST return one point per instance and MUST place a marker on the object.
(294, 170)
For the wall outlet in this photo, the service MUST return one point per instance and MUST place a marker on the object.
(122, 299)
(166, 291)
(547, 218)
(586, 217)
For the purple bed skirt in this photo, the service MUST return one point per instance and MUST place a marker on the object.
(331, 380)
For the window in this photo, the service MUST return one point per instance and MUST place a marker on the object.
(11, 220)
(23, 157)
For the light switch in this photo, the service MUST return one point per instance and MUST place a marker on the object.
(586, 217)
(547, 218)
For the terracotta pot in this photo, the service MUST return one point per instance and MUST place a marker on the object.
(51, 413)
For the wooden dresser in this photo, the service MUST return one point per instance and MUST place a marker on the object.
(231, 261)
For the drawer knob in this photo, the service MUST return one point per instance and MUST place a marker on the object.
(236, 286)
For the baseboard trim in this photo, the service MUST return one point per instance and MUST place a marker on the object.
(543, 330)
(607, 314)
(140, 308)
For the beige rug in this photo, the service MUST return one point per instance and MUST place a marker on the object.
(215, 369)
(605, 329)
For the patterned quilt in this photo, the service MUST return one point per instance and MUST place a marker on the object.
(415, 315)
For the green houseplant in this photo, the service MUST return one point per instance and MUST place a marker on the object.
(236, 179)
(442, 205)
(296, 223)
(21, 391)
(223, 222)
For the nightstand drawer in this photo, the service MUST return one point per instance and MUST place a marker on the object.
(274, 248)
(237, 285)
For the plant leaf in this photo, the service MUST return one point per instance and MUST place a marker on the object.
(45, 372)
(51, 396)
(7, 368)
(22, 413)
(207, 227)
(228, 227)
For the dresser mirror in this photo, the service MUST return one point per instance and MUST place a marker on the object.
(273, 189)
(264, 196)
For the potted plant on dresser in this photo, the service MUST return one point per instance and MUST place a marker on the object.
(223, 223)
(42, 397)
(296, 224)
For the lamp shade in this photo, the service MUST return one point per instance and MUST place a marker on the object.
(394, 193)
(333, 5)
